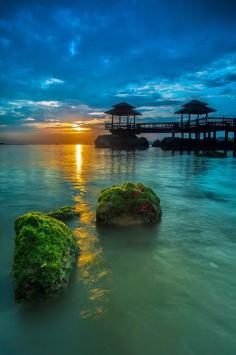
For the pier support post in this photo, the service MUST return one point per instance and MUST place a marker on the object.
(234, 143)
(226, 140)
(205, 142)
(197, 133)
(173, 134)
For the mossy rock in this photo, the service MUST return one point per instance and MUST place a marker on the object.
(64, 213)
(45, 250)
(128, 204)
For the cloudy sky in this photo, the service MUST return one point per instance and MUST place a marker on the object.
(62, 63)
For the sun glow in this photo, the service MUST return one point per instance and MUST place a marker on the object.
(78, 127)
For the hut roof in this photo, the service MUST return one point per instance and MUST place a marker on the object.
(194, 102)
(195, 107)
(123, 109)
(123, 112)
(123, 104)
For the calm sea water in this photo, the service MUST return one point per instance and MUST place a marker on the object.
(168, 290)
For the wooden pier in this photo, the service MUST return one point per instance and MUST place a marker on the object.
(197, 129)
(200, 128)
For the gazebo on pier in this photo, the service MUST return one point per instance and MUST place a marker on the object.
(194, 107)
(120, 110)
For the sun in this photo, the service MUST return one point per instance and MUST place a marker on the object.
(78, 128)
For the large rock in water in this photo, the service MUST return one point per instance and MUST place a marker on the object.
(45, 249)
(119, 141)
(128, 204)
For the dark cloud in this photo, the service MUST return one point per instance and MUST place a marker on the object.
(228, 78)
(98, 48)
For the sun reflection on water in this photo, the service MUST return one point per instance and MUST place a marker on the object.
(78, 155)
(92, 269)
(74, 161)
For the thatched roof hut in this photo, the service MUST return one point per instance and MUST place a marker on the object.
(123, 109)
(195, 107)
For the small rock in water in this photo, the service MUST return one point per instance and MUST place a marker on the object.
(64, 213)
(128, 204)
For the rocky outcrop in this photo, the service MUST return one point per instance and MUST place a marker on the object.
(156, 143)
(128, 204)
(119, 141)
(142, 143)
(212, 154)
(170, 143)
(45, 250)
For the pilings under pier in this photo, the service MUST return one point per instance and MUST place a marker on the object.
(196, 134)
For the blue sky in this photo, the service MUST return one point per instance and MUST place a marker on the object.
(63, 63)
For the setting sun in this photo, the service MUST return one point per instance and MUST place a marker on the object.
(78, 128)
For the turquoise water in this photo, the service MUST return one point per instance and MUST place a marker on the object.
(168, 289)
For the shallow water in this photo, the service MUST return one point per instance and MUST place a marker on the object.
(168, 289)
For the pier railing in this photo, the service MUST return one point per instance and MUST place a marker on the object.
(197, 124)
(214, 121)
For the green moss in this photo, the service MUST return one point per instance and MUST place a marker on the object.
(128, 200)
(64, 213)
(44, 252)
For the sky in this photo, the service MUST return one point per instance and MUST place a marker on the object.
(62, 63)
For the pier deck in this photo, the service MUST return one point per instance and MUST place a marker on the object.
(201, 125)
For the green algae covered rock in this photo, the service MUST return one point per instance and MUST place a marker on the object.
(128, 204)
(64, 213)
(45, 249)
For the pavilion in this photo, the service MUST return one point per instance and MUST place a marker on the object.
(194, 107)
(123, 109)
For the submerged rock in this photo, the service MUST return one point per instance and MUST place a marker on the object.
(64, 213)
(212, 154)
(128, 204)
(121, 141)
(45, 250)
